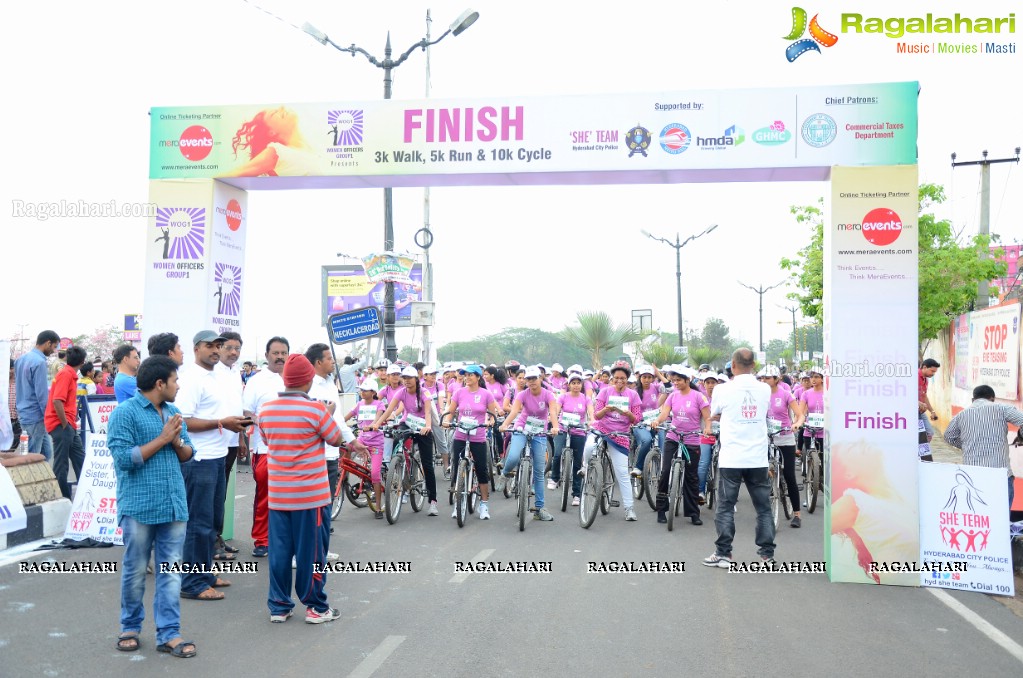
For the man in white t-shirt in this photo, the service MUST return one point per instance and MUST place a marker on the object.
(206, 409)
(742, 405)
(261, 388)
(230, 373)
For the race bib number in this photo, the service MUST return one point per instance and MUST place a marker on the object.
(468, 423)
(570, 419)
(417, 424)
(815, 420)
(367, 413)
(621, 402)
(534, 425)
(650, 415)
(773, 425)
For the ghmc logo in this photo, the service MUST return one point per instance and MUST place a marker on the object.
(818, 36)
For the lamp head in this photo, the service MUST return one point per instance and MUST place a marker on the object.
(317, 35)
(464, 20)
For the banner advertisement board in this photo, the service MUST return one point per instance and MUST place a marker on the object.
(964, 521)
(94, 510)
(388, 267)
(133, 327)
(12, 511)
(994, 350)
(347, 288)
(871, 511)
(962, 350)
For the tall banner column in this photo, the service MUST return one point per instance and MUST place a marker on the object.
(870, 347)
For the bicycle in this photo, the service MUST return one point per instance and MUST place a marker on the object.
(523, 482)
(813, 464)
(646, 484)
(466, 493)
(678, 469)
(405, 475)
(354, 466)
(712, 469)
(597, 489)
(776, 470)
(567, 459)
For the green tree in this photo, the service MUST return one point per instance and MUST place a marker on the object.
(526, 344)
(409, 354)
(715, 335)
(775, 348)
(660, 353)
(597, 333)
(950, 267)
(698, 355)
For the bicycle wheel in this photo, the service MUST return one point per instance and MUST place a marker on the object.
(783, 489)
(509, 486)
(674, 491)
(474, 491)
(608, 486)
(491, 452)
(417, 487)
(712, 477)
(460, 495)
(652, 476)
(339, 497)
(775, 473)
(524, 479)
(812, 475)
(567, 477)
(393, 489)
(593, 488)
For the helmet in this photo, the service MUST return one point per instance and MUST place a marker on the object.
(769, 371)
(621, 365)
(383, 362)
(704, 367)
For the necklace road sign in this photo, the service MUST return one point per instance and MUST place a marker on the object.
(361, 323)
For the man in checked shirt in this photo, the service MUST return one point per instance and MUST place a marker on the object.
(148, 442)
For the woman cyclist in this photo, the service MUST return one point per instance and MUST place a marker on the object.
(785, 410)
(710, 380)
(689, 411)
(366, 413)
(651, 396)
(574, 403)
(534, 406)
(472, 403)
(417, 405)
(615, 410)
(811, 400)
(438, 402)
(558, 380)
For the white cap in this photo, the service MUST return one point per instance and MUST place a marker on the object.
(394, 369)
(575, 375)
(722, 378)
(556, 367)
(632, 379)
(646, 369)
(769, 371)
(410, 372)
(369, 385)
(532, 371)
(576, 368)
(587, 373)
(541, 366)
(429, 369)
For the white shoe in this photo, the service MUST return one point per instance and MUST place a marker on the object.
(575, 501)
(404, 498)
(551, 485)
(433, 509)
(294, 563)
(636, 473)
(630, 514)
(454, 512)
(333, 557)
(484, 511)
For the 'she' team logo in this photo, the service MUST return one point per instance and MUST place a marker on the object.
(675, 138)
(638, 140)
(182, 231)
(818, 36)
(345, 127)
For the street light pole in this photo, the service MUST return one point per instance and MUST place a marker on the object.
(678, 245)
(761, 290)
(792, 310)
(464, 20)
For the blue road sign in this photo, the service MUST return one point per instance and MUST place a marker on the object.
(361, 323)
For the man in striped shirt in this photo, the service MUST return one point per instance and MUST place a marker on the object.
(294, 428)
(981, 431)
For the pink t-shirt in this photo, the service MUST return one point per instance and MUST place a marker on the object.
(687, 415)
(533, 405)
(650, 396)
(797, 391)
(559, 383)
(779, 407)
(434, 390)
(372, 439)
(408, 400)
(574, 404)
(814, 405)
(472, 404)
(615, 422)
(497, 390)
(387, 393)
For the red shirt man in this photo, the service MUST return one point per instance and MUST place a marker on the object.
(65, 391)
(61, 417)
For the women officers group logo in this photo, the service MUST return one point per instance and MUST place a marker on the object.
(675, 138)
(345, 127)
(182, 231)
(228, 281)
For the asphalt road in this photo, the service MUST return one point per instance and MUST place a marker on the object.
(433, 621)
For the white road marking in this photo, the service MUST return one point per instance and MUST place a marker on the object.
(377, 657)
(981, 624)
(17, 553)
(462, 576)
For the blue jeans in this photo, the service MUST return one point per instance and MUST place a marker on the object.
(38, 439)
(576, 444)
(139, 541)
(758, 484)
(644, 440)
(205, 491)
(539, 449)
(304, 534)
(705, 455)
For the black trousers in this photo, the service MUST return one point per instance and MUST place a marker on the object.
(690, 479)
(426, 457)
(479, 460)
(788, 455)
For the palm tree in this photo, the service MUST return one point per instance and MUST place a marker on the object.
(596, 333)
(660, 354)
(703, 354)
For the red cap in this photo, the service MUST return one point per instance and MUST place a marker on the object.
(298, 371)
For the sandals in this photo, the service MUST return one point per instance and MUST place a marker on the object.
(221, 583)
(132, 640)
(208, 594)
(224, 554)
(179, 649)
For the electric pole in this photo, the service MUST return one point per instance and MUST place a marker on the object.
(761, 290)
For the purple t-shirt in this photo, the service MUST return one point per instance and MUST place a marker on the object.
(387, 393)
(616, 422)
(559, 383)
(687, 414)
(574, 404)
(472, 405)
(408, 400)
(434, 390)
(366, 413)
(650, 396)
(533, 406)
(779, 408)
(497, 390)
(814, 405)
